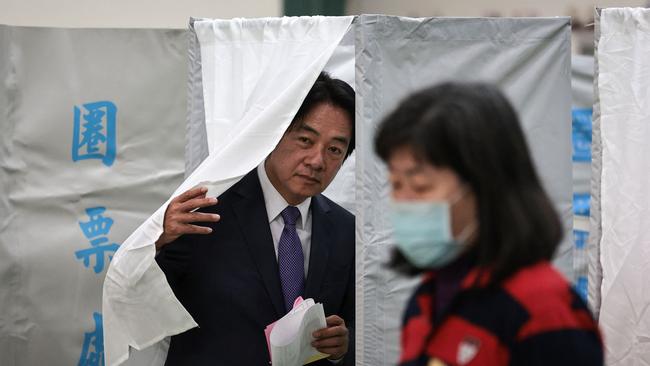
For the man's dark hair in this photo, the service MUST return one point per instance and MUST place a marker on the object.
(331, 91)
(472, 129)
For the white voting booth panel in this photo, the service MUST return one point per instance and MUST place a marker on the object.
(620, 220)
(528, 58)
(91, 141)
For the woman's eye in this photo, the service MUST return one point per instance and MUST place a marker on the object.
(396, 185)
(421, 188)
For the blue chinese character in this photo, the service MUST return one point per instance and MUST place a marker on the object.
(99, 251)
(582, 287)
(92, 352)
(95, 230)
(581, 134)
(97, 225)
(581, 204)
(580, 238)
(97, 131)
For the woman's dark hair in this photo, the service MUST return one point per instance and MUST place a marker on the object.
(331, 91)
(472, 129)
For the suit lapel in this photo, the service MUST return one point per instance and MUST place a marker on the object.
(320, 239)
(251, 215)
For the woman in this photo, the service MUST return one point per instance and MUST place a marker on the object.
(470, 213)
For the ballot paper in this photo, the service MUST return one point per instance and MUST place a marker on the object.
(289, 339)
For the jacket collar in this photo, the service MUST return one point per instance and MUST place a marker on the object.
(252, 216)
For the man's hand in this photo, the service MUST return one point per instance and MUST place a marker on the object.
(332, 340)
(179, 216)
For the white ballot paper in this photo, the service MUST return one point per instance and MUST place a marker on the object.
(289, 339)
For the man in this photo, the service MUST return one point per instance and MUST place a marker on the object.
(237, 265)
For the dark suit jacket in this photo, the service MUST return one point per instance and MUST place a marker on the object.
(229, 280)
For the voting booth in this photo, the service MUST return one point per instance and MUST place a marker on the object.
(528, 58)
(142, 115)
(92, 128)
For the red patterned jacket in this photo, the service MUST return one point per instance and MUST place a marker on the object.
(533, 318)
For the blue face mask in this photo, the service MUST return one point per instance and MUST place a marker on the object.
(423, 234)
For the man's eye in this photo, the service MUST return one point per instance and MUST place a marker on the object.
(336, 150)
(304, 140)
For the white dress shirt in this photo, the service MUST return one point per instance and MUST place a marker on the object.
(275, 203)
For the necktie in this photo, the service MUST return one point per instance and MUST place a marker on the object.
(290, 258)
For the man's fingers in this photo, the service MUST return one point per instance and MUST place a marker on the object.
(205, 217)
(332, 340)
(191, 193)
(177, 230)
(329, 342)
(334, 320)
(195, 203)
(195, 229)
(172, 233)
(191, 217)
(179, 218)
(337, 331)
(329, 350)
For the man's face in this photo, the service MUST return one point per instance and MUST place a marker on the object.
(309, 156)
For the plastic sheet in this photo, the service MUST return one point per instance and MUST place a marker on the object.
(528, 57)
(623, 77)
(50, 299)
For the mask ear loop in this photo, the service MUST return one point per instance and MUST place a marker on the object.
(467, 232)
(470, 228)
(457, 196)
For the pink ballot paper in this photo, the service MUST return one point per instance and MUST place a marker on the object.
(289, 339)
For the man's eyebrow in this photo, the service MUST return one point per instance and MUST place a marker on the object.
(308, 128)
(342, 139)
